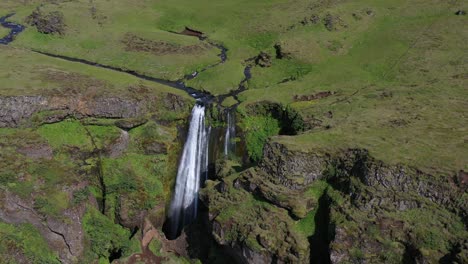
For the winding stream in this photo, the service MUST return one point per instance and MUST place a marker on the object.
(15, 29)
(193, 165)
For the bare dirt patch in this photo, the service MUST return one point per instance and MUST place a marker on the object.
(135, 43)
(47, 23)
(320, 95)
(74, 83)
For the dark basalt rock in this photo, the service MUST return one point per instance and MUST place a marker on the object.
(223, 168)
(22, 110)
(64, 234)
(263, 60)
(128, 124)
(333, 23)
(175, 102)
(221, 187)
(280, 53)
(50, 23)
(14, 109)
(313, 19)
(320, 95)
(291, 122)
(373, 188)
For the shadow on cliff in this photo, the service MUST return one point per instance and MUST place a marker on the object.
(320, 240)
(201, 244)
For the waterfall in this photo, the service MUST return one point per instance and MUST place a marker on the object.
(230, 134)
(192, 166)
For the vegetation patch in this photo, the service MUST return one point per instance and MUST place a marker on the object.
(135, 43)
(24, 243)
(67, 133)
(257, 130)
(105, 237)
(47, 23)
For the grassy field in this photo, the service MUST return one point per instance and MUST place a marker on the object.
(27, 73)
(97, 30)
(4, 32)
(396, 70)
(398, 88)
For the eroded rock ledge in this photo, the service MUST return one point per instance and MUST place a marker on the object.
(16, 111)
(369, 211)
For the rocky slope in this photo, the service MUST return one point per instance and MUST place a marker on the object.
(89, 176)
(364, 211)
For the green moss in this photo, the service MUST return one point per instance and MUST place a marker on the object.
(103, 235)
(155, 247)
(257, 131)
(356, 253)
(103, 135)
(24, 240)
(229, 101)
(306, 226)
(433, 228)
(67, 133)
(135, 178)
(52, 204)
(81, 195)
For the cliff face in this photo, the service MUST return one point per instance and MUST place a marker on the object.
(354, 209)
(81, 175)
(18, 110)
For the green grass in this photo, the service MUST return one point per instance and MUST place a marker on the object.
(306, 225)
(97, 36)
(390, 94)
(67, 133)
(103, 235)
(4, 32)
(433, 229)
(24, 240)
(27, 73)
(258, 129)
(136, 179)
(103, 135)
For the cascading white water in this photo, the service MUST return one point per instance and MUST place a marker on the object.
(193, 165)
(230, 134)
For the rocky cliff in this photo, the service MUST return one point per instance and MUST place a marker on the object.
(87, 177)
(355, 209)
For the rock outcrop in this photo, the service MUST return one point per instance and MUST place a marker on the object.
(368, 212)
(21, 110)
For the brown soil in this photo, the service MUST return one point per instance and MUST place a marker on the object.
(146, 257)
(191, 32)
(39, 151)
(135, 43)
(50, 23)
(320, 95)
(73, 83)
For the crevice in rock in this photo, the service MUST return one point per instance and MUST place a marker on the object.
(202, 245)
(412, 255)
(61, 235)
(451, 257)
(44, 219)
(100, 173)
(320, 240)
(134, 232)
(115, 253)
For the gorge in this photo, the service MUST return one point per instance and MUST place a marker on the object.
(270, 132)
